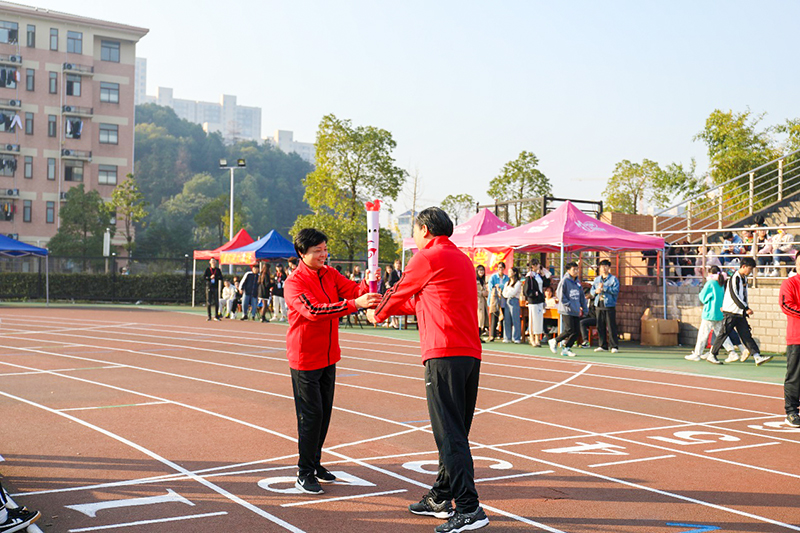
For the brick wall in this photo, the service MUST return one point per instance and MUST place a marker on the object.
(768, 322)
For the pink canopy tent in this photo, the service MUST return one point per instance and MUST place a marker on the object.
(240, 239)
(482, 223)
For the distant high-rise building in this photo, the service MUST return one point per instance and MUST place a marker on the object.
(66, 113)
(285, 141)
(140, 84)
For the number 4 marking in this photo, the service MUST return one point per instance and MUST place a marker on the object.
(598, 448)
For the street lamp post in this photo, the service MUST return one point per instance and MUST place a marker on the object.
(223, 165)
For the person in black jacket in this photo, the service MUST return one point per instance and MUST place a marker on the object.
(279, 309)
(213, 277)
(535, 282)
(590, 320)
(249, 289)
(264, 290)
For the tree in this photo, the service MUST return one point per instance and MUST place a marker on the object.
(458, 206)
(84, 219)
(130, 207)
(215, 216)
(521, 179)
(353, 165)
(635, 184)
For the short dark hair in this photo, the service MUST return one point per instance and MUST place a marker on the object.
(604, 262)
(727, 235)
(308, 238)
(533, 262)
(748, 262)
(436, 220)
(501, 264)
(571, 264)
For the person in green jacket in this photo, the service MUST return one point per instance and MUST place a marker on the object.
(711, 296)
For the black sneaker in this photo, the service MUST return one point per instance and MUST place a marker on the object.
(244, 317)
(324, 475)
(793, 420)
(18, 519)
(308, 484)
(464, 522)
(429, 507)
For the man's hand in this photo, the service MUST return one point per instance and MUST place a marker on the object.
(368, 301)
(371, 316)
(749, 312)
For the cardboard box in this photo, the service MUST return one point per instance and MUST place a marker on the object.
(659, 331)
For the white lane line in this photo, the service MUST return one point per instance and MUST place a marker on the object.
(145, 522)
(111, 406)
(632, 461)
(513, 476)
(535, 394)
(742, 447)
(312, 502)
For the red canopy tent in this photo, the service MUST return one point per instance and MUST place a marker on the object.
(240, 239)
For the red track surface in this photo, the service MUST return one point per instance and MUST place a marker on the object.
(103, 408)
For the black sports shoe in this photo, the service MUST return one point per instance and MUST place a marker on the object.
(308, 484)
(793, 420)
(429, 507)
(324, 475)
(464, 522)
(18, 519)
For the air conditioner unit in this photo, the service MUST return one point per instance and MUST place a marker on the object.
(14, 236)
(68, 66)
(68, 108)
(63, 196)
(66, 152)
(9, 192)
(15, 103)
(9, 147)
(15, 59)
(16, 192)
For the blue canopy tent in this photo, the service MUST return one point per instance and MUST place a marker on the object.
(271, 246)
(13, 248)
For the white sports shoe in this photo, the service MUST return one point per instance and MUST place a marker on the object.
(745, 355)
(692, 357)
(733, 357)
(600, 349)
(552, 343)
(567, 352)
(761, 359)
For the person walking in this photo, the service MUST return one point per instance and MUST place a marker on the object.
(789, 298)
(533, 289)
(512, 290)
(571, 306)
(735, 310)
(317, 295)
(711, 296)
(439, 286)
(605, 290)
(213, 277)
(248, 286)
(497, 304)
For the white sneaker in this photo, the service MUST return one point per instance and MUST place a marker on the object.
(600, 349)
(704, 356)
(567, 352)
(692, 357)
(745, 355)
(733, 357)
(711, 358)
(552, 343)
(614, 350)
(761, 359)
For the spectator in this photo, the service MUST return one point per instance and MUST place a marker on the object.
(711, 295)
(588, 321)
(248, 287)
(237, 303)
(483, 293)
(511, 322)
(317, 296)
(550, 302)
(213, 277)
(731, 247)
(705, 261)
(687, 259)
(789, 299)
(605, 290)
(264, 290)
(747, 241)
(356, 275)
(390, 278)
(764, 246)
(651, 256)
(735, 310)
(291, 265)
(497, 304)
(533, 289)
(15, 519)
(279, 310)
(571, 306)
(229, 299)
(398, 267)
(782, 248)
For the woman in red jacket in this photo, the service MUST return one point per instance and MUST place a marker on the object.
(790, 305)
(317, 295)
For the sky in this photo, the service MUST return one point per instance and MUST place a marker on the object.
(465, 86)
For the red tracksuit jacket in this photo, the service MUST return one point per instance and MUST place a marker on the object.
(438, 285)
(789, 298)
(316, 300)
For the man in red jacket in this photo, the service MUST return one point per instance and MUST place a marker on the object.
(317, 295)
(438, 285)
(790, 305)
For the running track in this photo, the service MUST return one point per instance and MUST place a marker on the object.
(144, 421)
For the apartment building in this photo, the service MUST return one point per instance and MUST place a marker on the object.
(284, 140)
(66, 113)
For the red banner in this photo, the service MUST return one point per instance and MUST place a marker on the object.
(237, 258)
(490, 257)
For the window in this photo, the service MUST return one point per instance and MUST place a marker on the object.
(73, 127)
(73, 170)
(28, 167)
(6, 124)
(31, 36)
(26, 210)
(8, 77)
(74, 42)
(30, 79)
(109, 134)
(9, 32)
(53, 38)
(73, 84)
(51, 212)
(28, 123)
(53, 82)
(51, 126)
(8, 166)
(51, 168)
(109, 92)
(107, 175)
(109, 51)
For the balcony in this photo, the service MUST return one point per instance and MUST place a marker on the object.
(77, 111)
(6, 103)
(80, 155)
(12, 60)
(74, 68)
(7, 148)
(9, 193)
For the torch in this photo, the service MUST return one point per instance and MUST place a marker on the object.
(373, 227)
